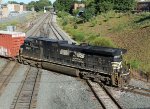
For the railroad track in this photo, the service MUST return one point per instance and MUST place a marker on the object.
(54, 30)
(6, 74)
(47, 28)
(26, 95)
(35, 30)
(103, 95)
(136, 90)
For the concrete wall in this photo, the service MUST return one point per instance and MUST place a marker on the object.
(12, 7)
(16, 7)
(5, 12)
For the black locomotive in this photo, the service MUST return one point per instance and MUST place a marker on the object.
(94, 62)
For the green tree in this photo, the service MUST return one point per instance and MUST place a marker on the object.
(13, 2)
(124, 5)
(88, 13)
(38, 5)
(21, 3)
(63, 5)
(31, 5)
(105, 6)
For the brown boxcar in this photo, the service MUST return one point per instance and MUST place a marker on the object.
(10, 43)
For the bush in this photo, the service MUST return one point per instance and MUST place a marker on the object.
(120, 27)
(124, 5)
(105, 16)
(75, 12)
(65, 22)
(105, 6)
(102, 41)
(62, 14)
(75, 26)
(135, 64)
(111, 14)
(88, 13)
(91, 38)
(78, 36)
(93, 22)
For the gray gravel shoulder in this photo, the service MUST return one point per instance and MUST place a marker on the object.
(138, 83)
(130, 100)
(10, 91)
(64, 92)
(3, 62)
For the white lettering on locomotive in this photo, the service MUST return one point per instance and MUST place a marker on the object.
(64, 52)
(77, 60)
(79, 55)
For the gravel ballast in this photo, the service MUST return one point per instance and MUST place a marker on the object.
(64, 92)
(3, 62)
(131, 100)
(10, 91)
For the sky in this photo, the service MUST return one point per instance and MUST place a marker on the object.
(25, 1)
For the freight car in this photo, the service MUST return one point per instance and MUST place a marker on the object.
(92, 62)
(10, 43)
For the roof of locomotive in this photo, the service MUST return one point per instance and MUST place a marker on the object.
(95, 50)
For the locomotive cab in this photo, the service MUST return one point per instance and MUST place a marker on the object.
(120, 73)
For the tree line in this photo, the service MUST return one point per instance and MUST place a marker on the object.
(95, 7)
(38, 5)
(98, 5)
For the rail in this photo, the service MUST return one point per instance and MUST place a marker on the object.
(26, 90)
(55, 31)
(136, 90)
(104, 97)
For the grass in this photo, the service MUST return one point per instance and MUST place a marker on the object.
(103, 41)
(10, 23)
(21, 25)
(129, 31)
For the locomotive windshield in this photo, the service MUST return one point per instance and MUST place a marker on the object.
(117, 58)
